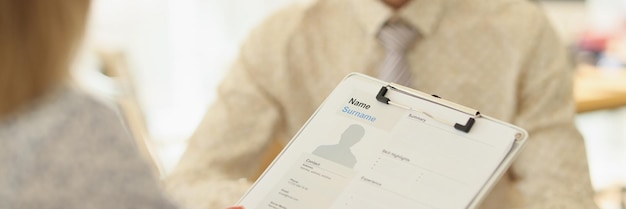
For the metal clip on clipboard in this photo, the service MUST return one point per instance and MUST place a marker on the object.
(464, 128)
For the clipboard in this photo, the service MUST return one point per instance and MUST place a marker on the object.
(376, 145)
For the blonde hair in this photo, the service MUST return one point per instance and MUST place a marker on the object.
(38, 39)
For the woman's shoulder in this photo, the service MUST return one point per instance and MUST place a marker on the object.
(66, 108)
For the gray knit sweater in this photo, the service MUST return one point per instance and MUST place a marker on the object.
(70, 150)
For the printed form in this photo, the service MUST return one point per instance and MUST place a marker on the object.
(358, 153)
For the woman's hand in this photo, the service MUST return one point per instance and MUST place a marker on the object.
(235, 207)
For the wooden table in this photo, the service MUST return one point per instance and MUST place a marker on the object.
(596, 89)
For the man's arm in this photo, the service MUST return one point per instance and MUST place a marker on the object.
(240, 130)
(223, 156)
(552, 171)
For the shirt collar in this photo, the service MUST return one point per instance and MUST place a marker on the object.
(424, 15)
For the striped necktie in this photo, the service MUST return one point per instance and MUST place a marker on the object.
(396, 37)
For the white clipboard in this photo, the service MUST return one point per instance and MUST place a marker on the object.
(377, 145)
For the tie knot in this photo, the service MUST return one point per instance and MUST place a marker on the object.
(397, 36)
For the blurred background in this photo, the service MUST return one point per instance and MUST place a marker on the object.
(162, 60)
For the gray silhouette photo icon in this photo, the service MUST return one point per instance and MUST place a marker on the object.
(340, 152)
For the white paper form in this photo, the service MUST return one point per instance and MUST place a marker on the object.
(358, 153)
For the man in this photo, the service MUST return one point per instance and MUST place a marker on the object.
(498, 56)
